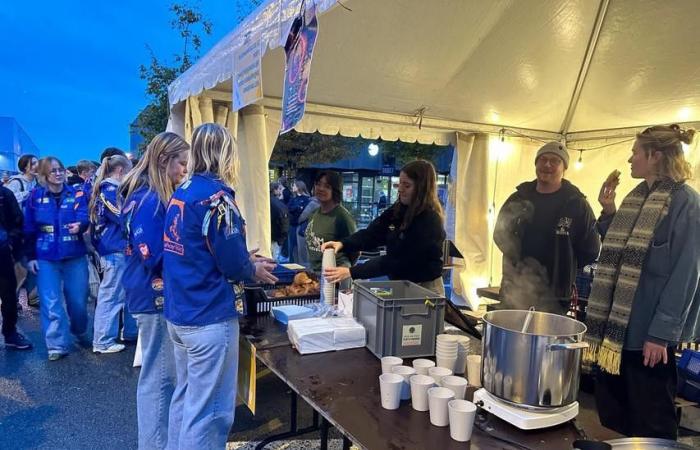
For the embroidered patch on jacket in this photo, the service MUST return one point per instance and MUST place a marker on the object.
(171, 235)
(145, 251)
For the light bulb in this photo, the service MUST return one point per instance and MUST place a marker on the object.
(373, 149)
(578, 165)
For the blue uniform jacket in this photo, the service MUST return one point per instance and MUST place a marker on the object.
(204, 245)
(143, 217)
(46, 224)
(107, 235)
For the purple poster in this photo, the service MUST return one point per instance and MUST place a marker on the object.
(299, 50)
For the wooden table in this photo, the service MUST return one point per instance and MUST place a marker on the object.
(343, 388)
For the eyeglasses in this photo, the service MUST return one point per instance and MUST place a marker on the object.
(57, 171)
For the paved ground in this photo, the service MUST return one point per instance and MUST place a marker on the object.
(88, 401)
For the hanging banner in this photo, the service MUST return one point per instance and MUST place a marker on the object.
(299, 51)
(247, 79)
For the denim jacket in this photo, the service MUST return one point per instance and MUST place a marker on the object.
(107, 236)
(666, 306)
(143, 217)
(46, 224)
(204, 246)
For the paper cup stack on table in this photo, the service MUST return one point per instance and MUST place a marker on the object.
(390, 390)
(327, 289)
(446, 351)
(438, 373)
(422, 366)
(419, 391)
(462, 351)
(461, 416)
(458, 385)
(406, 372)
(474, 370)
(390, 361)
(438, 398)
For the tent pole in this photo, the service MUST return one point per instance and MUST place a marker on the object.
(590, 50)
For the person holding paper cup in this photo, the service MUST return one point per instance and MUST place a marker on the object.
(412, 230)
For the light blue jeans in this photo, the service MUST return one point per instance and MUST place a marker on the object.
(156, 381)
(111, 304)
(204, 402)
(57, 280)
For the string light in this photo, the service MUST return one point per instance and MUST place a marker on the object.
(579, 164)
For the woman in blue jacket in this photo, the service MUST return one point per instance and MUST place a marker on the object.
(645, 298)
(107, 237)
(204, 248)
(146, 191)
(55, 220)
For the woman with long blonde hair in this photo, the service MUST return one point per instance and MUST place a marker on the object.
(108, 240)
(205, 248)
(645, 298)
(146, 191)
(412, 230)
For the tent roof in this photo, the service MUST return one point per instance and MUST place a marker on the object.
(561, 66)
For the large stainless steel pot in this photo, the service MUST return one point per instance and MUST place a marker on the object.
(538, 368)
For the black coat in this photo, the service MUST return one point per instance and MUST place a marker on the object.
(413, 254)
(11, 221)
(576, 244)
(280, 220)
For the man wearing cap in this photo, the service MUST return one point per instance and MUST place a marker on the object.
(546, 230)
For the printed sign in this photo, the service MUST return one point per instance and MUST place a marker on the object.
(411, 335)
(247, 80)
(299, 50)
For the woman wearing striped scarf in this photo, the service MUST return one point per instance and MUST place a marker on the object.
(645, 297)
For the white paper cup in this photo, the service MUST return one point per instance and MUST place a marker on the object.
(461, 416)
(406, 372)
(446, 362)
(438, 372)
(389, 361)
(474, 370)
(419, 391)
(452, 347)
(446, 338)
(390, 390)
(438, 398)
(422, 366)
(458, 385)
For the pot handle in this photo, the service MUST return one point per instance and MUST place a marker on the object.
(571, 346)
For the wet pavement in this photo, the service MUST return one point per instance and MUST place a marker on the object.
(88, 401)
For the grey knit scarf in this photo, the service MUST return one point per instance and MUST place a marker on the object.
(617, 275)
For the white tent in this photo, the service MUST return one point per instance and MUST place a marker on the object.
(492, 78)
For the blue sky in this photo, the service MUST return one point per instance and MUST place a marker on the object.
(69, 70)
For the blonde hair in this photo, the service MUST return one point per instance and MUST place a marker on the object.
(109, 165)
(214, 150)
(151, 169)
(668, 140)
(44, 168)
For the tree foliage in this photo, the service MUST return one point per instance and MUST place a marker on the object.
(190, 24)
(294, 150)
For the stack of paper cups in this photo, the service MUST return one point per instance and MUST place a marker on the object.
(327, 289)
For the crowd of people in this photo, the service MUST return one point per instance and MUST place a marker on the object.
(168, 238)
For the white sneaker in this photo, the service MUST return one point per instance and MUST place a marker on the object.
(114, 348)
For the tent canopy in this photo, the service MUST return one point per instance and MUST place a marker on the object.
(562, 66)
(588, 72)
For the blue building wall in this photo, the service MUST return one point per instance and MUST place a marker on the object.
(14, 142)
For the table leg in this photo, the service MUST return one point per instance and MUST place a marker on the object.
(324, 434)
(293, 427)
